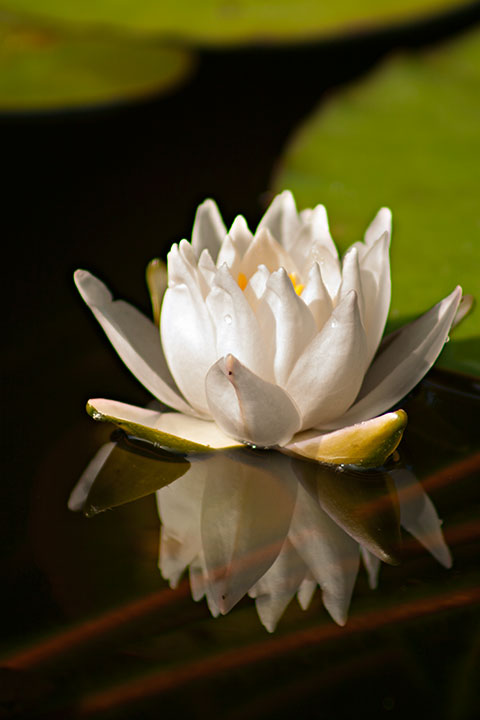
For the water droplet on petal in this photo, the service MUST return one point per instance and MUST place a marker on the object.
(228, 319)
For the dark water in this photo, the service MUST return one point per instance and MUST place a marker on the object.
(108, 191)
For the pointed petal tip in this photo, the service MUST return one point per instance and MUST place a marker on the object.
(92, 290)
(334, 608)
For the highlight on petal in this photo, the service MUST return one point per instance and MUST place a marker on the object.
(328, 375)
(248, 408)
(134, 337)
(178, 432)
(367, 444)
(208, 229)
(239, 544)
(403, 361)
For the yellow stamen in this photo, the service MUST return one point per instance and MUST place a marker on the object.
(242, 281)
(297, 286)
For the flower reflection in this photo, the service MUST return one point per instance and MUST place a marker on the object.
(213, 523)
(270, 526)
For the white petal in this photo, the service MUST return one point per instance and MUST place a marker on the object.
(241, 235)
(403, 361)
(330, 554)
(419, 517)
(328, 375)
(281, 219)
(207, 268)
(265, 250)
(352, 280)
(313, 239)
(248, 408)
(256, 287)
(179, 432)
(236, 327)
(134, 337)
(277, 587)
(241, 535)
(230, 256)
(372, 566)
(381, 223)
(330, 269)
(188, 341)
(80, 492)
(376, 283)
(316, 297)
(208, 229)
(294, 324)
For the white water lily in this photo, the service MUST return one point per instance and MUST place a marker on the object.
(272, 340)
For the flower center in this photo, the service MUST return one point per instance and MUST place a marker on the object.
(297, 285)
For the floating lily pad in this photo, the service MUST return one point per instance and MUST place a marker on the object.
(235, 21)
(50, 68)
(406, 137)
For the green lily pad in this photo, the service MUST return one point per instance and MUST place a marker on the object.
(406, 137)
(215, 22)
(50, 68)
(129, 473)
(364, 503)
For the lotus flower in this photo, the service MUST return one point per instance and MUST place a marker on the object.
(271, 340)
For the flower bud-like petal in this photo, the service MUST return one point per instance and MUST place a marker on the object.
(248, 408)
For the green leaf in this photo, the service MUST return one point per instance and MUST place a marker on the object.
(219, 22)
(50, 68)
(406, 137)
(364, 503)
(129, 473)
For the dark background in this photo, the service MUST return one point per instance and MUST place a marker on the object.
(107, 190)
